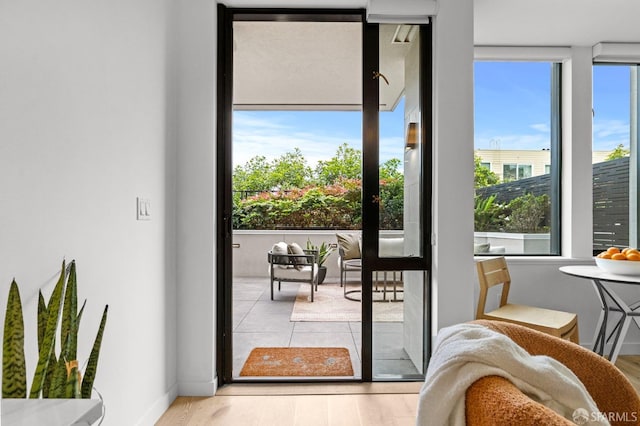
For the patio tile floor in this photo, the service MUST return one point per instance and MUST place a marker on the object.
(261, 322)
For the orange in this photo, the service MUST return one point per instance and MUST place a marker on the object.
(624, 251)
(604, 255)
(631, 251)
(634, 257)
(618, 256)
(613, 250)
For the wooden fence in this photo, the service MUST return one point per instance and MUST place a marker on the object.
(610, 199)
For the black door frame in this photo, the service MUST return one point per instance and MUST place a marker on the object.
(371, 261)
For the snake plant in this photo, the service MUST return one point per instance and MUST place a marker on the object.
(55, 376)
(324, 250)
(14, 370)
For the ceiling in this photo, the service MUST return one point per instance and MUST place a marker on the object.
(297, 65)
(289, 65)
(523, 22)
(310, 66)
(555, 22)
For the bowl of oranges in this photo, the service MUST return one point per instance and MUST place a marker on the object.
(617, 261)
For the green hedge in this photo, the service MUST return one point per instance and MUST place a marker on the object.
(526, 214)
(336, 206)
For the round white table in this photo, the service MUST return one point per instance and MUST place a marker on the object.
(610, 301)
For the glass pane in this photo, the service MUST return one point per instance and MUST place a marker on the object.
(399, 346)
(524, 171)
(400, 141)
(615, 132)
(515, 107)
(509, 172)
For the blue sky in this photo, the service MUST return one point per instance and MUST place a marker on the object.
(512, 105)
(611, 101)
(318, 134)
(512, 109)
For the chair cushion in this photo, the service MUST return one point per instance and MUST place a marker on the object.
(350, 245)
(294, 248)
(391, 247)
(280, 248)
(291, 273)
(352, 264)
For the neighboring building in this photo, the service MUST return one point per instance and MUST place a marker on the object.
(513, 164)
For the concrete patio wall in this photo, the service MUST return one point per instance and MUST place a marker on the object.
(250, 248)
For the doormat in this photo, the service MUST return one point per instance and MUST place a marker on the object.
(329, 304)
(296, 362)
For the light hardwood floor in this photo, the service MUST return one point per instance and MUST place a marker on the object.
(630, 366)
(347, 404)
(344, 404)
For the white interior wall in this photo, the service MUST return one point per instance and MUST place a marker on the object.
(452, 277)
(196, 178)
(84, 106)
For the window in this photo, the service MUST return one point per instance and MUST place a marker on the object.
(524, 171)
(615, 135)
(511, 172)
(517, 126)
(485, 165)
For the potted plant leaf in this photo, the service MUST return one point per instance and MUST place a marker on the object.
(56, 375)
(324, 250)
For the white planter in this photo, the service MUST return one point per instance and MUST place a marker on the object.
(515, 242)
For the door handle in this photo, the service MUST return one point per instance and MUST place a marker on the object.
(377, 74)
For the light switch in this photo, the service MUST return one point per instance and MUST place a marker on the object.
(143, 209)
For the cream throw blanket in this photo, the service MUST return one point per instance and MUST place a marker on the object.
(465, 353)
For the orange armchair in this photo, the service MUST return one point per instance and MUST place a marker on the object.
(494, 401)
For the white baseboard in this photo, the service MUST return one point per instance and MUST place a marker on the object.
(159, 407)
(631, 348)
(198, 388)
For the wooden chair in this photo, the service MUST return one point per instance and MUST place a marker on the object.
(494, 271)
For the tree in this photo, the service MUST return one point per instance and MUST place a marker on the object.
(389, 169)
(253, 175)
(290, 171)
(346, 164)
(619, 152)
(482, 176)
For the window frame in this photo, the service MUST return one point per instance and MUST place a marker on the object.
(634, 155)
(555, 58)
